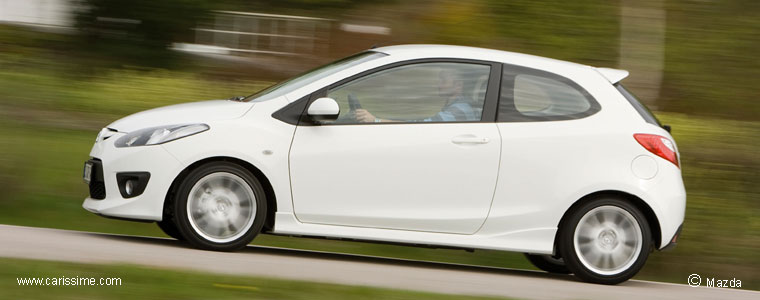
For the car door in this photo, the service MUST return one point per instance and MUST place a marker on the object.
(426, 160)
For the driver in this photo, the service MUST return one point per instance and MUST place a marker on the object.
(450, 87)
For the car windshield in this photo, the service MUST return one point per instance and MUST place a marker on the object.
(299, 81)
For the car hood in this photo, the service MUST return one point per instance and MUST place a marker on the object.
(194, 112)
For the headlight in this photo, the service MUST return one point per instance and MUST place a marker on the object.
(159, 135)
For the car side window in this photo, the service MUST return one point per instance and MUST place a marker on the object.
(419, 92)
(533, 95)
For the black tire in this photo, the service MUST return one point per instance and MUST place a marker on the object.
(606, 240)
(168, 227)
(195, 235)
(548, 263)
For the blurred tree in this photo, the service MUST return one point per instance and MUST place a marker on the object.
(583, 31)
(711, 58)
(137, 31)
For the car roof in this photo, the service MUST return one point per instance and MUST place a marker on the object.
(451, 51)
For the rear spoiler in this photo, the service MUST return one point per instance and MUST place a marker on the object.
(613, 75)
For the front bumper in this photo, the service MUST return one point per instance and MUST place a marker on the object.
(155, 160)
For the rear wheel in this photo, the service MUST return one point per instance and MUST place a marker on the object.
(606, 240)
(548, 263)
(220, 206)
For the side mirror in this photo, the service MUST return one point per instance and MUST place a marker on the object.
(323, 109)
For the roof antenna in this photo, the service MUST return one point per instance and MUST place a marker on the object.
(373, 46)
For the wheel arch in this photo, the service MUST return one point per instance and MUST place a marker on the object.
(268, 189)
(649, 214)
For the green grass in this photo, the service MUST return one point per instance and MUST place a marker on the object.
(115, 93)
(150, 283)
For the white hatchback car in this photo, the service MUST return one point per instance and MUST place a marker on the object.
(420, 144)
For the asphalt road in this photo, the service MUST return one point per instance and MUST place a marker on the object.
(85, 247)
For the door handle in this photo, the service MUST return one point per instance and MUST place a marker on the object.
(470, 139)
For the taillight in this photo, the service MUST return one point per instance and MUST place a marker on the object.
(659, 145)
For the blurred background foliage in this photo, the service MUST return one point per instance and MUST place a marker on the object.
(136, 31)
(58, 87)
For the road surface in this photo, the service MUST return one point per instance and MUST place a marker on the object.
(86, 247)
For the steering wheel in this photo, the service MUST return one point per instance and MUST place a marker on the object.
(353, 104)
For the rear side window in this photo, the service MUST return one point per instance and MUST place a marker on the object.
(533, 95)
(641, 108)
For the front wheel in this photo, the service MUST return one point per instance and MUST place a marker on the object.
(220, 206)
(606, 240)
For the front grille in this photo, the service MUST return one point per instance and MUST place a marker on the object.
(97, 186)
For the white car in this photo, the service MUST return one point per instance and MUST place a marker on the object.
(417, 144)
